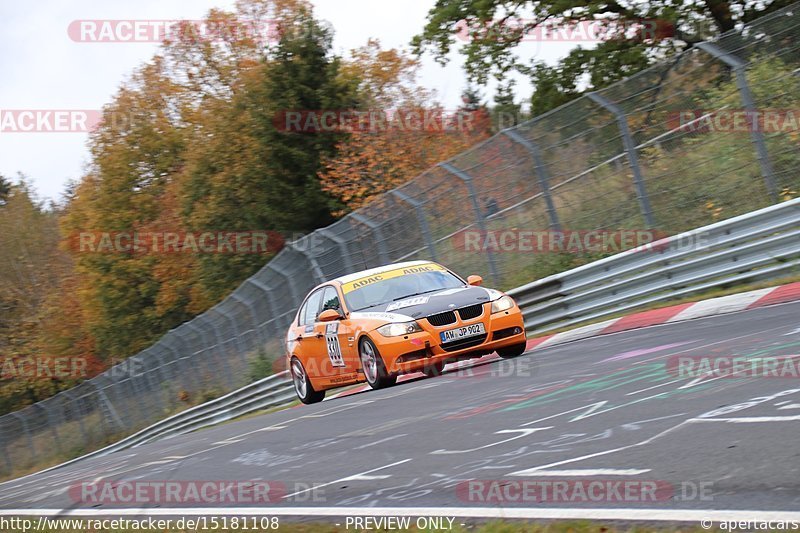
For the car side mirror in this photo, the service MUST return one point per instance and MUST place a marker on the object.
(329, 315)
(475, 280)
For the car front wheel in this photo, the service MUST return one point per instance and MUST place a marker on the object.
(372, 363)
(302, 385)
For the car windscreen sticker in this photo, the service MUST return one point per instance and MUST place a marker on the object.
(389, 274)
(332, 344)
(377, 315)
(417, 300)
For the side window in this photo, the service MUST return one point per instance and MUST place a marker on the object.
(330, 299)
(311, 308)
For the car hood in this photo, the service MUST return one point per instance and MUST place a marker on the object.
(415, 307)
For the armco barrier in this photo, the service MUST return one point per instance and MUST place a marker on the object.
(758, 245)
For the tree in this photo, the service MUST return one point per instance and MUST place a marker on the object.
(506, 113)
(370, 161)
(636, 35)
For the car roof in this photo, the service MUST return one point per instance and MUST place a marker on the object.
(377, 270)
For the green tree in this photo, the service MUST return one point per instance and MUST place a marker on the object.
(495, 28)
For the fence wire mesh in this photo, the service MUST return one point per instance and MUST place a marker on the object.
(622, 158)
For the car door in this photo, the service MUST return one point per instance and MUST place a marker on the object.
(339, 336)
(309, 339)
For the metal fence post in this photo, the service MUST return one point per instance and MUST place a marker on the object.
(285, 275)
(219, 358)
(541, 173)
(187, 349)
(109, 414)
(28, 438)
(250, 311)
(6, 456)
(633, 156)
(383, 255)
(480, 219)
(343, 251)
(270, 302)
(51, 423)
(315, 269)
(236, 335)
(208, 354)
(423, 222)
(187, 370)
(756, 135)
(77, 413)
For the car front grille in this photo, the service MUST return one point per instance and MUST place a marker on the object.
(442, 319)
(470, 312)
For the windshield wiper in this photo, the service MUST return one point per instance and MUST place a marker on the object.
(415, 294)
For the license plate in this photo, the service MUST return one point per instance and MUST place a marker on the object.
(462, 333)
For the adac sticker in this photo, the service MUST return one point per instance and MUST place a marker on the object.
(383, 276)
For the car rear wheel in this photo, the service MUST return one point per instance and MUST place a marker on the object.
(372, 363)
(433, 370)
(512, 351)
(302, 385)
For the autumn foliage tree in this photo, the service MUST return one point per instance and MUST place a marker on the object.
(406, 133)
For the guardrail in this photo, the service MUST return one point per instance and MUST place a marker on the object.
(757, 245)
(272, 391)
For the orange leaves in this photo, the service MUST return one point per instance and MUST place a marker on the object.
(368, 164)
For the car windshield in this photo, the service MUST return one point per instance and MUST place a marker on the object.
(400, 287)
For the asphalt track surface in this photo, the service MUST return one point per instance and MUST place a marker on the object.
(603, 408)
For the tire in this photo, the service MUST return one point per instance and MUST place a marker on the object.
(372, 363)
(302, 385)
(434, 370)
(512, 351)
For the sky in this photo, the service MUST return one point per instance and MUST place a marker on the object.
(43, 68)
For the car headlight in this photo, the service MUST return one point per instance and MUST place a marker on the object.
(399, 328)
(501, 304)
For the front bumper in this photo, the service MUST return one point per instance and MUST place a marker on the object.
(412, 353)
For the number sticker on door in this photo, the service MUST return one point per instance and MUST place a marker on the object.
(332, 344)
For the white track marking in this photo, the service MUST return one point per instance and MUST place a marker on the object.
(522, 433)
(535, 469)
(653, 387)
(379, 441)
(749, 419)
(638, 514)
(348, 478)
(586, 472)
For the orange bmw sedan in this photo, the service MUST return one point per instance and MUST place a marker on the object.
(409, 317)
